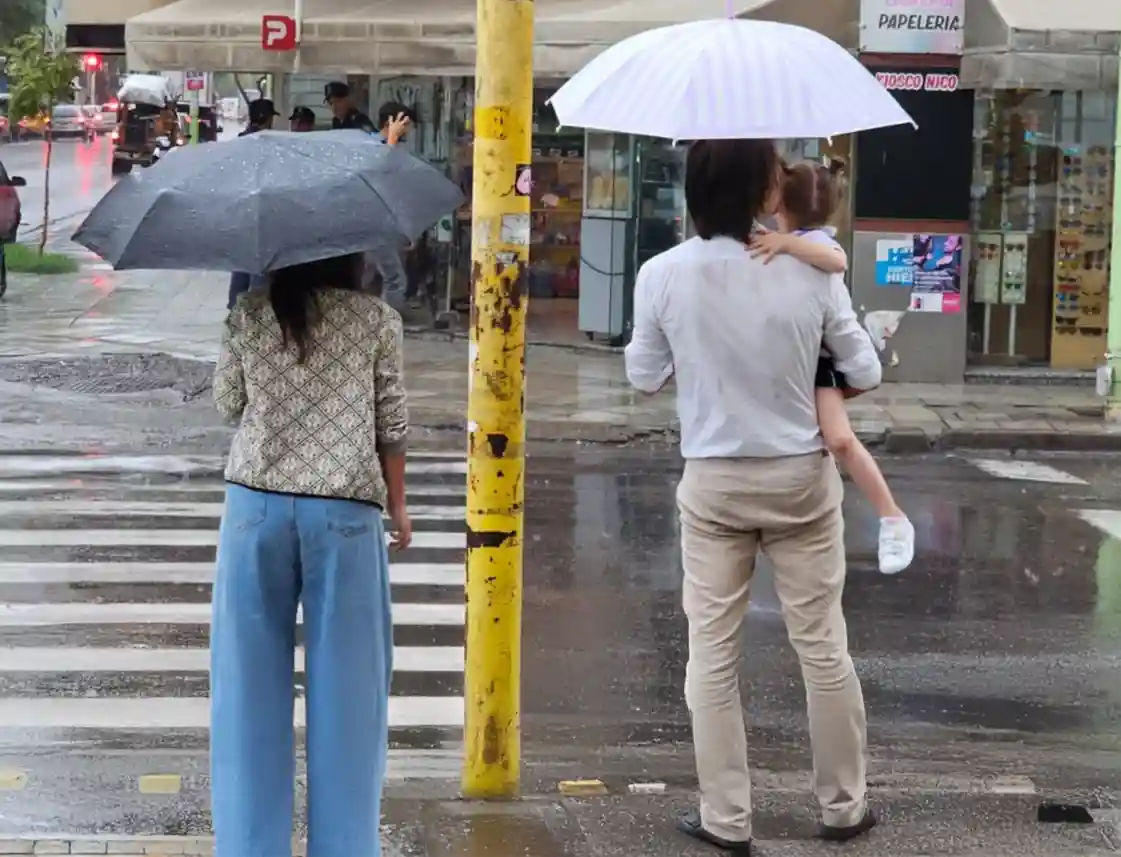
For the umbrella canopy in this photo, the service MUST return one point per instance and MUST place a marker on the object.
(727, 79)
(266, 201)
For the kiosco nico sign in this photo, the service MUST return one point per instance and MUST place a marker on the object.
(914, 81)
(912, 26)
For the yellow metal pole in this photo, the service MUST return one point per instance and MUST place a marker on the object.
(496, 403)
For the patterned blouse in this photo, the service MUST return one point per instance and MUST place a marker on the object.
(314, 429)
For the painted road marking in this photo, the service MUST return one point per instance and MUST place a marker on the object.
(1025, 471)
(160, 784)
(1107, 521)
(20, 659)
(173, 538)
(13, 781)
(417, 491)
(117, 508)
(117, 713)
(126, 613)
(400, 573)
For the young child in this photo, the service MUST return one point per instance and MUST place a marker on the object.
(810, 194)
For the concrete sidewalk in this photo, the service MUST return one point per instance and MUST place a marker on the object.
(572, 394)
(912, 823)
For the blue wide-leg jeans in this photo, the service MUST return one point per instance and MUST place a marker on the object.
(276, 552)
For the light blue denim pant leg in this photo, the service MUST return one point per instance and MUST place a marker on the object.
(274, 551)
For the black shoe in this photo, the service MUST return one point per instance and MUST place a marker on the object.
(690, 825)
(844, 834)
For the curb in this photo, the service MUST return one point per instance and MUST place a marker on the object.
(432, 335)
(916, 441)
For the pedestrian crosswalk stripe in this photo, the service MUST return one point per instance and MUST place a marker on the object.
(1106, 520)
(116, 508)
(129, 613)
(1025, 471)
(121, 514)
(400, 573)
(16, 465)
(172, 538)
(18, 659)
(147, 713)
(80, 487)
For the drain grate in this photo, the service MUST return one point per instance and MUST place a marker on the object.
(110, 374)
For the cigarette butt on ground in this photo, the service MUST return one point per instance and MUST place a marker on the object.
(582, 788)
(647, 788)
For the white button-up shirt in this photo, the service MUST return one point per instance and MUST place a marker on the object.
(742, 341)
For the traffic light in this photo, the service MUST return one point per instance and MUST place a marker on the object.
(91, 62)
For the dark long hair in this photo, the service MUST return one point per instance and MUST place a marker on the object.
(294, 295)
(727, 185)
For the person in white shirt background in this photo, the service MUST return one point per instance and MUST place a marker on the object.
(742, 339)
(811, 193)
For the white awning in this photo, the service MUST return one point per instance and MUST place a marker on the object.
(1092, 16)
(391, 37)
(1041, 44)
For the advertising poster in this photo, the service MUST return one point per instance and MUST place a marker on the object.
(937, 275)
(929, 265)
(990, 253)
(893, 262)
(1014, 270)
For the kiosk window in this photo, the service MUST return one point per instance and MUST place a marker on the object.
(904, 173)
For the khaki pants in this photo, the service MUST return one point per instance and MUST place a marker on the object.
(790, 509)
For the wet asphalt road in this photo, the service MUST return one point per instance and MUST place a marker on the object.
(79, 178)
(996, 654)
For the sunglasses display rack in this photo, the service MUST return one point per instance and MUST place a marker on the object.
(1082, 234)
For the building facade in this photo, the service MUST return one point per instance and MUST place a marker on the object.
(1005, 189)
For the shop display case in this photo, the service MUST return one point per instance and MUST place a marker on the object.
(1083, 225)
(605, 234)
(660, 215)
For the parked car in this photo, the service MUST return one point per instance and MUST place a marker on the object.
(10, 216)
(102, 117)
(6, 129)
(33, 126)
(70, 120)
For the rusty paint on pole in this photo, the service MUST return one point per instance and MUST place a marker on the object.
(496, 397)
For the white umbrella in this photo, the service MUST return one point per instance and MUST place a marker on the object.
(727, 79)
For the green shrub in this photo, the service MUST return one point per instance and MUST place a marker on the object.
(22, 259)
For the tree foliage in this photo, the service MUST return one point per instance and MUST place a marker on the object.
(18, 17)
(41, 74)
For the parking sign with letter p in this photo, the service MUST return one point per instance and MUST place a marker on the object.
(278, 33)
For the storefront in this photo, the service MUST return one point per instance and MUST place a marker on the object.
(1042, 186)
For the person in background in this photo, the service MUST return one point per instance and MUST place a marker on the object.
(384, 270)
(262, 113)
(338, 97)
(302, 120)
(311, 370)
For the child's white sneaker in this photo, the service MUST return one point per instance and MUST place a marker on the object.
(897, 544)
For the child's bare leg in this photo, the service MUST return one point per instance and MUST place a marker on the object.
(842, 441)
(897, 535)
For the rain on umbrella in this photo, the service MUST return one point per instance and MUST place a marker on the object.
(727, 79)
(266, 201)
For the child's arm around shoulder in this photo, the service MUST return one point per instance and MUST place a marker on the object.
(813, 248)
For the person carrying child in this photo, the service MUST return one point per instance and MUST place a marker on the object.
(811, 193)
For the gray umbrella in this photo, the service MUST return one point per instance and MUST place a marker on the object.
(267, 201)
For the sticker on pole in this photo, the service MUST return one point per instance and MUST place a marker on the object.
(523, 182)
(195, 81)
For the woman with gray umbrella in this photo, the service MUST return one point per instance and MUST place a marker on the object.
(311, 368)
